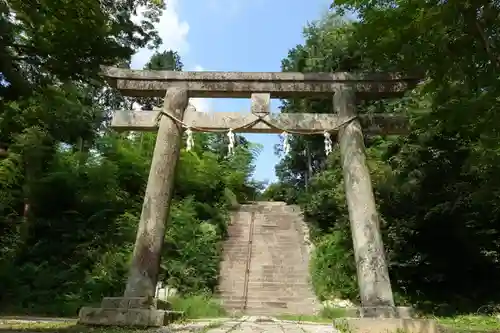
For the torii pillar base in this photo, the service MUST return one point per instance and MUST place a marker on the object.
(384, 319)
(386, 325)
(141, 312)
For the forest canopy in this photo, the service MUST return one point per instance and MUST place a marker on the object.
(72, 188)
(435, 188)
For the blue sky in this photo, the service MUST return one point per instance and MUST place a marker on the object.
(236, 35)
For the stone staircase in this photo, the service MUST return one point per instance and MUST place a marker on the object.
(265, 266)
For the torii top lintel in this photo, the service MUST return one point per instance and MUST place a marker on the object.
(149, 83)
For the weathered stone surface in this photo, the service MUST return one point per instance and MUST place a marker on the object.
(265, 267)
(240, 84)
(125, 317)
(252, 324)
(261, 104)
(379, 312)
(143, 273)
(385, 325)
(372, 271)
(390, 124)
(386, 312)
(130, 302)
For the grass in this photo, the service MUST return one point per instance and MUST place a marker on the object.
(198, 306)
(471, 323)
(325, 316)
(60, 327)
(458, 324)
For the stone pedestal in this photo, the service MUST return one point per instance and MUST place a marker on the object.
(384, 319)
(380, 312)
(386, 325)
(129, 311)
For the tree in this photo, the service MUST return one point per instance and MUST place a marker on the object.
(166, 61)
(67, 177)
(436, 197)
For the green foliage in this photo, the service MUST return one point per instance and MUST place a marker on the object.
(279, 192)
(92, 210)
(71, 190)
(470, 323)
(332, 267)
(332, 313)
(198, 306)
(192, 247)
(435, 188)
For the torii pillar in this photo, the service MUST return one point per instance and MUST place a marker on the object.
(138, 306)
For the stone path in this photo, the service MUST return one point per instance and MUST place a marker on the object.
(250, 325)
(247, 324)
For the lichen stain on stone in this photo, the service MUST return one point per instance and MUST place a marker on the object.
(145, 257)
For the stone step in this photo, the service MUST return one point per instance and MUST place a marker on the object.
(279, 270)
(232, 286)
(235, 255)
(289, 280)
(235, 252)
(266, 250)
(235, 247)
(240, 236)
(260, 241)
(268, 298)
(251, 292)
(232, 303)
(278, 278)
(268, 245)
(278, 274)
(262, 304)
(234, 259)
(294, 245)
(272, 307)
(264, 311)
(278, 285)
(274, 267)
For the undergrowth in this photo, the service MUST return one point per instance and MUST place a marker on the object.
(198, 306)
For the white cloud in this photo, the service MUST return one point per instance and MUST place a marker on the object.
(173, 32)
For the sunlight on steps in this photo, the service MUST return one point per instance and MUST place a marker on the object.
(265, 265)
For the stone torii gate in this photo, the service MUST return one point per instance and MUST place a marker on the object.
(138, 306)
